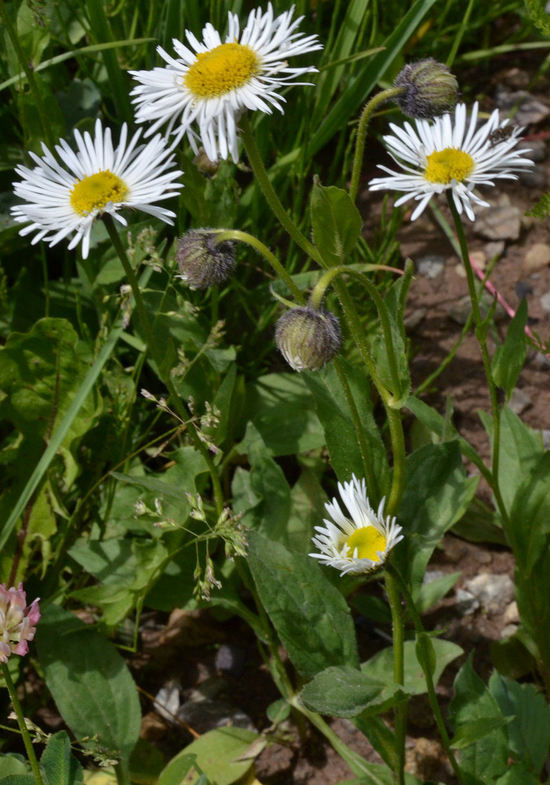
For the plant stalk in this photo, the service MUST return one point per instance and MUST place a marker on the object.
(22, 726)
(400, 711)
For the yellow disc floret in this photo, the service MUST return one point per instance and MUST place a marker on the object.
(221, 70)
(444, 166)
(368, 542)
(96, 191)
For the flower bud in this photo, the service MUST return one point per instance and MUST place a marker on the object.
(17, 621)
(202, 263)
(308, 338)
(431, 89)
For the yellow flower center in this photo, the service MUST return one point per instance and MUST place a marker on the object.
(444, 166)
(368, 541)
(96, 191)
(221, 70)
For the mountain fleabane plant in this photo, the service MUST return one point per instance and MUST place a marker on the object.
(451, 155)
(214, 81)
(64, 195)
(360, 541)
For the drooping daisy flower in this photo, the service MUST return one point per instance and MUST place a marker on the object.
(17, 621)
(212, 82)
(442, 155)
(360, 541)
(63, 196)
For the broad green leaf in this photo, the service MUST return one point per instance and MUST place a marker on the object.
(18, 779)
(281, 408)
(309, 614)
(471, 732)
(347, 692)
(335, 415)
(13, 764)
(336, 223)
(216, 753)
(509, 357)
(437, 492)
(89, 681)
(60, 766)
(488, 757)
(307, 510)
(529, 731)
(518, 774)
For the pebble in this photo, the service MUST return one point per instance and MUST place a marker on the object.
(537, 257)
(230, 659)
(432, 575)
(508, 631)
(511, 614)
(413, 319)
(491, 590)
(466, 602)
(541, 361)
(431, 266)
(167, 701)
(545, 302)
(499, 223)
(522, 289)
(461, 309)
(519, 401)
(534, 177)
(495, 248)
(529, 109)
(545, 434)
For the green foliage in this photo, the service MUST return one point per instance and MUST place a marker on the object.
(509, 358)
(58, 763)
(336, 223)
(309, 614)
(89, 681)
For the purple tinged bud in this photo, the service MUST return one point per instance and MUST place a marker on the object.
(202, 263)
(17, 621)
(308, 338)
(431, 89)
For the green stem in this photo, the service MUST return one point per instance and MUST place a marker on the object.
(26, 67)
(364, 120)
(481, 333)
(157, 354)
(223, 235)
(273, 200)
(432, 695)
(22, 726)
(400, 712)
(357, 764)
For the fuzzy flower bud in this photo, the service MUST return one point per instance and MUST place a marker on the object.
(308, 338)
(17, 621)
(431, 89)
(202, 263)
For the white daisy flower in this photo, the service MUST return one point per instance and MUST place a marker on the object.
(441, 156)
(358, 543)
(64, 197)
(213, 81)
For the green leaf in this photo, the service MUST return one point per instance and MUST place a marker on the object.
(432, 592)
(347, 692)
(216, 753)
(89, 681)
(471, 732)
(518, 774)
(13, 764)
(59, 765)
(488, 757)
(436, 494)
(335, 415)
(336, 223)
(509, 357)
(529, 731)
(18, 779)
(309, 614)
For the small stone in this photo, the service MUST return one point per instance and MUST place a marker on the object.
(508, 631)
(466, 602)
(545, 433)
(494, 249)
(431, 266)
(541, 360)
(413, 319)
(545, 302)
(537, 149)
(230, 659)
(491, 590)
(516, 78)
(529, 110)
(537, 257)
(479, 259)
(511, 614)
(499, 223)
(460, 271)
(167, 701)
(461, 309)
(432, 575)
(519, 401)
(523, 288)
